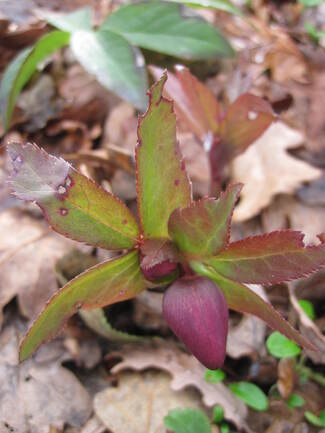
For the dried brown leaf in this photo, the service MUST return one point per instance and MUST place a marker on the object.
(266, 169)
(186, 371)
(140, 402)
(40, 393)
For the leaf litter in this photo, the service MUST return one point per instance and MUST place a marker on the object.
(275, 198)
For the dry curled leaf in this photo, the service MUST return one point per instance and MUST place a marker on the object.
(40, 393)
(140, 402)
(266, 169)
(186, 371)
(33, 281)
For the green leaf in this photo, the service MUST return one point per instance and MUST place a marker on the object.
(167, 28)
(97, 321)
(314, 419)
(217, 414)
(20, 70)
(240, 298)
(107, 283)
(73, 204)
(115, 63)
(310, 3)
(251, 394)
(308, 308)
(224, 428)
(202, 229)
(72, 22)
(162, 182)
(281, 347)
(314, 33)
(187, 421)
(221, 5)
(214, 376)
(270, 258)
(295, 400)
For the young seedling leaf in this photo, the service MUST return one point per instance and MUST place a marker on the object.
(251, 394)
(281, 347)
(162, 182)
(314, 419)
(71, 22)
(214, 376)
(20, 70)
(245, 121)
(295, 400)
(220, 5)
(115, 63)
(202, 229)
(107, 283)
(308, 308)
(218, 414)
(240, 298)
(187, 421)
(194, 102)
(164, 27)
(73, 204)
(270, 258)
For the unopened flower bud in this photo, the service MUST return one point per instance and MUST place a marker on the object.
(196, 311)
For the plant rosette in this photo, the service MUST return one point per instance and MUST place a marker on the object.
(180, 244)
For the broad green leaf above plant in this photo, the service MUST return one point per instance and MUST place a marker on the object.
(111, 51)
(224, 132)
(194, 266)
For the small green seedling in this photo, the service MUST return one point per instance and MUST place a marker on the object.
(251, 394)
(308, 308)
(295, 401)
(281, 347)
(110, 52)
(187, 421)
(317, 421)
(214, 376)
(177, 243)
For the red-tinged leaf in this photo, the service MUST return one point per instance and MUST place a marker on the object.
(73, 204)
(158, 258)
(162, 182)
(195, 104)
(269, 259)
(107, 283)
(241, 298)
(202, 229)
(245, 121)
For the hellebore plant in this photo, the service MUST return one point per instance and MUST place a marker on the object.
(179, 243)
(225, 133)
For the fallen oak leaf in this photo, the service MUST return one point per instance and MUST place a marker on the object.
(186, 371)
(40, 393)
(266, 169)
(139, 402)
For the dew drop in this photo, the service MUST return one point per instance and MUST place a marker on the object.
(64, 211)
(252, 115)
(62, 189)
(68, 182)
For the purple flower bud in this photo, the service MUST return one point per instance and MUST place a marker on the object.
(196, 311)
